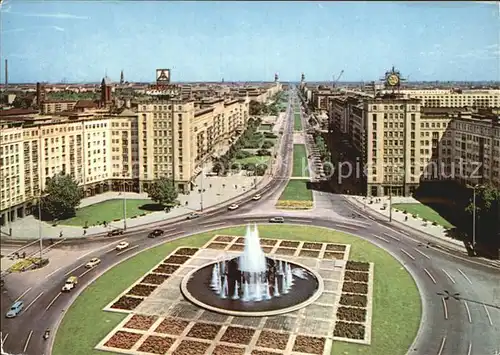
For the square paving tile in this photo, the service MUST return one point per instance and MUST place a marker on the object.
(208, 254)
(184, 310)
(284, 323)
(315, 326)
(330, 275)
(319, 311)
(198, 262)
(252, 322)
(213, 317)
(327, 264)
(328, 298)
(332, 286)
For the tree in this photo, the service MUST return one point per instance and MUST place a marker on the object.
(62, 196)
(163, 191)
(487, 215)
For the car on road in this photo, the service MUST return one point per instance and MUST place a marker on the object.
(276, 220)
(193, 215)
(122, 245)
(15, 309)
(93, 262)
(155, 233)
(70, 284)
(233, 207)
(257, 197)
(115, 232)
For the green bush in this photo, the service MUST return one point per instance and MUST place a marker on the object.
(267, 145)
(249, 166)
(269, 135)
(242, 154)
(263, 152)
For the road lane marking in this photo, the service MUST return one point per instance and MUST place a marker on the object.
(441, 348)
(430, 275)
(23, 294)
(463, 274)
(371, 218)
(347, 227)
(170, 235)
(76, 268)
(127, 249)
(5, 338)
(393, 237)
(448, 275)
(212, 224)
(469, 351)
(53, 272)
(445, 307)
(468, 311)
(407, 254)
(86, 272)
(27, 341)
(52, 302)
(381, 238)
(488, 314)
(31, 304)
(422, 253)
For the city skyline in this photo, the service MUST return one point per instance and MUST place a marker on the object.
(81, 42)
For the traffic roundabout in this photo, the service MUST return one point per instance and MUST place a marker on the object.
(137, 305)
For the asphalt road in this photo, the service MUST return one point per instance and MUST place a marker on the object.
(467, 325)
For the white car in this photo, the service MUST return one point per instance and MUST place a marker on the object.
(93, 262)
(122, 245)
(233, 207)
(256, 197)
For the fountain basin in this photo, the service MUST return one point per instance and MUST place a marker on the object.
(197, 288)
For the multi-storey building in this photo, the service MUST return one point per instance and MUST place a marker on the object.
(455, 98)
(125, 151)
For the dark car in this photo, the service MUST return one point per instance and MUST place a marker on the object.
(193, 215)
(115, 232)
(155, 233)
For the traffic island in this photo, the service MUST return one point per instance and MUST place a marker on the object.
(340, 321)
(31, 263)
(296, 196)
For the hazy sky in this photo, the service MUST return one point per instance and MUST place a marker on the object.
(79, 41)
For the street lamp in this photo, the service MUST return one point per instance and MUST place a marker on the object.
(477, 186)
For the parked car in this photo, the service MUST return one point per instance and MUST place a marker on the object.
(257, 197)
(233, 207)
(193, 215)
(115, 232)
(93, 262)
(15, 309)
(155, 233)
(276, 220)
(70, 284)
(122, 245)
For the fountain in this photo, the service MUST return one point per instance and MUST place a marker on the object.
(251, 282)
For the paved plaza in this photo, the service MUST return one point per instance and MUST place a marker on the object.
(160, 319)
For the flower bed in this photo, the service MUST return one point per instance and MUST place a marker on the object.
(154, 279)
(204, 331)
(355, 287)
(353, 300)
(156, 344)
(237, 247)
(189, 347)
(285, 251)
(335, 247)
(240, 240)
(123, 340)
(289, 244)
(309, 345)
(176, 259)
(268, 242)
(142, 290)
(314, 246)
(172, 326)
(273, 340)
(186, 251)
(141, 322)
(228, 350)
(332, 255)
(238, 335)
(127, 303)
(294, 205)
(216, 246)
(351, 314)
(224, 239)
(267, 250)
(356, 276)
(309, 253)
(349, 330)
(166, 269)
(263, 352)
(357, 266)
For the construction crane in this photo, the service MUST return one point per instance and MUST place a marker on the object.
(335, 81)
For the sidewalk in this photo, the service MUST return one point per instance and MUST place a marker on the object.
(437, 232)
(217, 190)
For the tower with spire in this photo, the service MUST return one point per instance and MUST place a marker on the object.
(302, 78)
(106, 91)
(122, 78)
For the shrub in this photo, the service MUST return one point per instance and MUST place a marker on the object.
(242, 154)
(249, 166)
(267, 145)
(414, 216)
(434, 223)
(263, 152)
(270, 135)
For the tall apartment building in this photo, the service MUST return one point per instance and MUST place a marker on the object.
(403, 143)
(455, 98)
(126, 151)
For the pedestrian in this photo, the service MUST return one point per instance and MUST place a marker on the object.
(84, 232)
(60, 234)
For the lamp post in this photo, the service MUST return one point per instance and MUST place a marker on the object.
(124, 208)
(40, 226)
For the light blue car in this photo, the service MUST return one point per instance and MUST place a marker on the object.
(15, 309)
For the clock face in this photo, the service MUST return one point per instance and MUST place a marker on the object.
(393, 80)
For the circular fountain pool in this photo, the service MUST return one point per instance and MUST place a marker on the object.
(224, 287)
